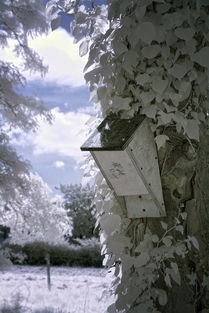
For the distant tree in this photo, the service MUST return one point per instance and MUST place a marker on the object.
(37, 215)
(78, 202)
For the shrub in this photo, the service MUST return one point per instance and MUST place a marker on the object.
(85, 253)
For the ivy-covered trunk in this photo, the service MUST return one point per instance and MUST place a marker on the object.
(185, 177)
(151, 57)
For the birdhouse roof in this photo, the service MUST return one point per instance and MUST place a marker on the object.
(112, 134)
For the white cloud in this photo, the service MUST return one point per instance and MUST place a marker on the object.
(59, 53)
(63, 137)
(59, 164)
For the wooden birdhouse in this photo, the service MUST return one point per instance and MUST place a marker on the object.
(125, 152)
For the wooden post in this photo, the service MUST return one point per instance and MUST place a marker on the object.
(47, 258)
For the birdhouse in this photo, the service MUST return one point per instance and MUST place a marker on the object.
(125, 152)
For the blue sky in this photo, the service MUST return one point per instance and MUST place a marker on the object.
(54, 150)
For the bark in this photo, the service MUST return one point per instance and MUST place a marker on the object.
(185, 178)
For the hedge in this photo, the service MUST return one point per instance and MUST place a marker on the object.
(60, 255)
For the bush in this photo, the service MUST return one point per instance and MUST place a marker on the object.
(85, 253)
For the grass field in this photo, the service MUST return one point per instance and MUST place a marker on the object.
(74, 290)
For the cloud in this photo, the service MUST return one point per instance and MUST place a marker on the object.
(63, 137)
(59, 53)
(59, 164)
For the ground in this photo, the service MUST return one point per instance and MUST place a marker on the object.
(74, 290)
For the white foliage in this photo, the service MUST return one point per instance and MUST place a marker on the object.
(161, 140)
(19, 20)
(36, 215)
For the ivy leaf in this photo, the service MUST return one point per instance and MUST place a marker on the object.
(167, 280)
(159, 85)
(164, 225)
(151, 51)
(139, 12)
(180, 228)
(84, 48)
(110, 223)
(162, 297)
(147, 32)
(167, 241)
(150, 111)
(142, 79)
(202, 57)
(165, 51)
(154, 238)
(192, 129)
(147, 97)
(194, 242)
(166, 117)
(161, 140)
(174, 272)
(121, 103)
(119, 48)
(184, 33)
(142, 259)
(184, 215)
(178, 71)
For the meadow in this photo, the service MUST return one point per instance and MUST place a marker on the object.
(23, 289)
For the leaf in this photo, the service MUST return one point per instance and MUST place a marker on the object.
(121, 103)
(167, 280)
(84, 48)
(154, 238)
(164, 225)
(110, 223)
(184, 215)
(159, 85)
(192, 129)
(165, 51)
(142, 79)
(185, 89)
(184, 33)
(151, 51)
(161, 140)
(167, 241)
(180, 228)
(166, 117)
(140, 12)
(178, 71)
(147, 32)
(142, 259)
(202, 57)
(194, 242)
(55, 23)
(162, 297)
(175, 275)
(119, 47)
(150, 111)
(147, 97)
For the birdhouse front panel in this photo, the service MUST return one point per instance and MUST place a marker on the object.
(120, 172)
(142, 206)
(142, 151)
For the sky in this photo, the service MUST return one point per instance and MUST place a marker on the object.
(54, 150)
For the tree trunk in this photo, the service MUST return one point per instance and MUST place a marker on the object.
(185, 180)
